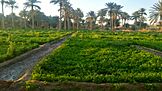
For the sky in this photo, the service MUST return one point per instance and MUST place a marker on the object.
(88, 5)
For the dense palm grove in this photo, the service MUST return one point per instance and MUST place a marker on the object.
(111, 17)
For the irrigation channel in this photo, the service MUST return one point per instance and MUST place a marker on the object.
(20, 68)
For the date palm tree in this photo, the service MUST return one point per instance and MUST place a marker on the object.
(70, 16)
(12, 5)
(66, 11)
(91, 17)
(124, 16)
(113, 10)
(24, 15)
(79, 16)
(101, 14)
(32, 4)
(61, 3)
(156, 13)
(135, 16)
(142, 12)
(2, 3)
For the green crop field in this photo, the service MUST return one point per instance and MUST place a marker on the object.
(103, 57)
(16, 42)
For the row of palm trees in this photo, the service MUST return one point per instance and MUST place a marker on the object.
(68, 14)
(12, 5)
(110, 16)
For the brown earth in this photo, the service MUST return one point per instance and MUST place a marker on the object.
(77, 86)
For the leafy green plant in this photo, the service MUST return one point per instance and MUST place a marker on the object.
(102, 57)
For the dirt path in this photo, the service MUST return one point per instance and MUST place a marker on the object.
(23, 68)
(153, 51)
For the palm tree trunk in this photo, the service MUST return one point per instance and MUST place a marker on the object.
(102, 21)
(3, 25)
(60, 17)
(112, 22)
(91, 23)
(122, 22)
(32, 17)
(74, 24)
(12, 18)
(160, 19)
(77, 24)
(68, 21)
(102, 25)
(25, 23)
(65, 20)
(115, 19)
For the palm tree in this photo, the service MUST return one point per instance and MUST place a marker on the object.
(101, 14)
(24, 15)
(124, 16)
(142, 12)
(73, 16)
(66, 11)
(91, 17)
(70, 16)
(79, 16)
(156, 13)
(11, 4)
(109, 8)
(135, 16)
(32, 4)
(113, 10)
(61, 3)
(2, 3)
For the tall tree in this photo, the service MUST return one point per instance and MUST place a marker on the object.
(113, 10)
(101, 14)
(142, 12)
(12, 5)
(2, 3)
(24, 16)
(61, 3)
(124, 16)
(135, 16)
(32, 4)
(91, 17)
(66, 11)
(156, 13)
(79, 16)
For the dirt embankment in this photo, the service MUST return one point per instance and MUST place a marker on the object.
(77, 86)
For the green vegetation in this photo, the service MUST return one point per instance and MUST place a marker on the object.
(103, 57)
(16, 42)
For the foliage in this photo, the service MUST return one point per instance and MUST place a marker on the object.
(103, 57)
(16, 42)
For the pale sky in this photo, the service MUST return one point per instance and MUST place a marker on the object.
(87, 5)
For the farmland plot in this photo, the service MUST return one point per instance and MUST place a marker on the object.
(14, 43)
(102, 57)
